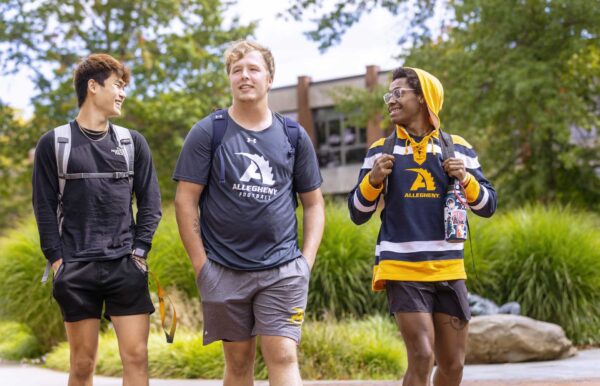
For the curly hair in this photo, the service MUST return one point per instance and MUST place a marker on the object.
(411, 78)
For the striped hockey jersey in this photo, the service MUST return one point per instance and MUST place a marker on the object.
(411, 244)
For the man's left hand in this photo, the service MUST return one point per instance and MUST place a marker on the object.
(455, 167)
(140, 262)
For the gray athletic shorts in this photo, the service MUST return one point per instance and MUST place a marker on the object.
(238, 305)
(447, 297)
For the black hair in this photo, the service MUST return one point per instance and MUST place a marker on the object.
(411, 78)
(98, 67)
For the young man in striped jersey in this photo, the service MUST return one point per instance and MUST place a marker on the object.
(423, 275)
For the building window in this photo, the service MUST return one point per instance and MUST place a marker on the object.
(339, 142)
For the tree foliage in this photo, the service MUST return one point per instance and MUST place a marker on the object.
(332, 24)
(173, 48)
(520, 77)
(15, 165)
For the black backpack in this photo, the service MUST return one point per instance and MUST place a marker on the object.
(219, 125)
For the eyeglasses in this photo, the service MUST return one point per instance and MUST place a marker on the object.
(396, 93)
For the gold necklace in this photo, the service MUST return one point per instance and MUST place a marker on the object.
(90, 138)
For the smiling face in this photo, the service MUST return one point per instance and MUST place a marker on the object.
(109, 97)
(406, 109)
(249, 78)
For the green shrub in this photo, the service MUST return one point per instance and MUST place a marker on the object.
(340, 283)
(24, 299)
(17, 342)
(351, 349)
(548, 260)
(185, 358)
(368, 349)
(168, 260)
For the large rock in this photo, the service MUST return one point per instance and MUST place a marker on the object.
(514, 338)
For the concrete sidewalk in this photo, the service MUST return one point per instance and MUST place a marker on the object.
(580, 370)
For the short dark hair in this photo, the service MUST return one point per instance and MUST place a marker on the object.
(411, 78)
(98, 67)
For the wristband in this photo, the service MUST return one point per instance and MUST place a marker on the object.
(139, 252)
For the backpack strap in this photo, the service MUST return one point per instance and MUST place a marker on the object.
(388, 148)
(292, 132)
(62, 149)
(219, 124)
(389, 143)
(447, 145)
(124, 139)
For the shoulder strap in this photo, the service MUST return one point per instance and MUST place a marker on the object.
(219, 125)
(447, 145)
(388, 148)
(62, 149)
(389, 143)
(124, 139)
(292, 131)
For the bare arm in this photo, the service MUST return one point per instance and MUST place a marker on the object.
(313, 224)
(188, 221)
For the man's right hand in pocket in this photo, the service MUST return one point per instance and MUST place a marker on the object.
(56, 265)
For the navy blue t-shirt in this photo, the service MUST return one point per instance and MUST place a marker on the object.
(249, 221)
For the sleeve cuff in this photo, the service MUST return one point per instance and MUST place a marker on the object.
(141, 249)
(53, 255)
(472, 188)
(368, 191)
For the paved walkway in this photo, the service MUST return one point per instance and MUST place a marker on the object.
(580, 370)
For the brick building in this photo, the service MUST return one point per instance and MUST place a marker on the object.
(340, 147)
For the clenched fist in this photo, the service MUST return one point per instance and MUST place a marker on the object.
(381, 169)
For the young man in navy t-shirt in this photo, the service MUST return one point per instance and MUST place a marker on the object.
(251, 273)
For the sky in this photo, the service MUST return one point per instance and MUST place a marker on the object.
(373, 41)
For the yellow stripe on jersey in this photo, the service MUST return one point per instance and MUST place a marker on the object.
(379, 142)
(438, 270)
(458, 140)
(369, 191)
(472, 188)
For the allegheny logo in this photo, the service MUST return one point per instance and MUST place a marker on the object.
(424, 180)
(259, 169)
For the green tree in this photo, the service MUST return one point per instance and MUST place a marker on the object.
(519, 76)
(173, 47)
(15, 164)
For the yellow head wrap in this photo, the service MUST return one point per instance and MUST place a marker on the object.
(433, 92)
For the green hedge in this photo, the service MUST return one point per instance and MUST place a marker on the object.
(368, 349)
(23, 298)
(548, 260)
(17, 342)
(340, 283)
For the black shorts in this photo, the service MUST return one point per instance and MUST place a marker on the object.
(447, 297)
(82, 288)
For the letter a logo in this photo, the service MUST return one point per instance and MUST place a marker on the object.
(423, 180)
(259, 169)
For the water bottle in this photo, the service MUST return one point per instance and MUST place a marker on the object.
(455, 214)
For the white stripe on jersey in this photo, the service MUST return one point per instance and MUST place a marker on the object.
(484, 200)
(358, 205)
(418, 246)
